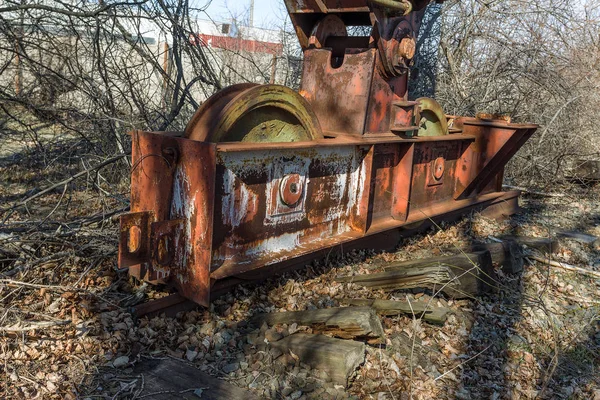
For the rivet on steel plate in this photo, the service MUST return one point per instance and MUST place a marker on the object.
(407, 48)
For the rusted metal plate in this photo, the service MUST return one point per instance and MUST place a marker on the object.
(151, 182)
(496, 143)
(134, 238)
(167, 247)
(323, 83)
(254, 222)
(174, 179)
(193, 201)
(392, 169)
(434, 173)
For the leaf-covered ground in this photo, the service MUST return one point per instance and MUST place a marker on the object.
(66, 330)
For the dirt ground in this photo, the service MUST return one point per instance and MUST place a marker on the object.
(66, 330)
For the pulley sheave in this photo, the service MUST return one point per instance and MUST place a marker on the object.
(256, 114)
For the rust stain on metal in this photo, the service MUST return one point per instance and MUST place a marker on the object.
(263, 176)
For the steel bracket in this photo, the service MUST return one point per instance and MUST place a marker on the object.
(134, 238)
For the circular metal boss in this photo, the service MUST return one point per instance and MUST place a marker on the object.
(290, 189)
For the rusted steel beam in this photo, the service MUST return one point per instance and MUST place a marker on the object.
(173, 178)
(273, 205)
(169, 306)
(385, 240)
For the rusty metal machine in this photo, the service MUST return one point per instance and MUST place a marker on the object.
(264, 175)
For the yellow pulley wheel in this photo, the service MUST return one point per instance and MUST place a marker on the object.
(255, 114)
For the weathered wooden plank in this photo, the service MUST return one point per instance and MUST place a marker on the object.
(508, 254)
(343, 322)
(429, 313)
(167, 379)
(460, 276)
(338, 358)
(457, 259)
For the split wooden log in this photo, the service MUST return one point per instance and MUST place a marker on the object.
(338, 358)
(459, 276)
(418, 309)
(343, 322)
(508, 254)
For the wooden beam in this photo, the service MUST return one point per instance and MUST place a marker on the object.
(343, 322)
(545, 245)
(577, 236)
(418, 309)
(338, 358)
(460, 276)
(507, 254)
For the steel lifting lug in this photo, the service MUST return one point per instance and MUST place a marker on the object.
(170, 154)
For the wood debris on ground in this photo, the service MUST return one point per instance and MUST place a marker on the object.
(344, 322)
(458, 276)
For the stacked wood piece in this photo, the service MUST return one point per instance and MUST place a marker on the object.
(460, 276)
(545, 245)
(417, 309)
(343, 322)
(507, 254)
(338, 358)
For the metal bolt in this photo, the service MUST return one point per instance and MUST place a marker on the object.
(290, 189)
(407, 48)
